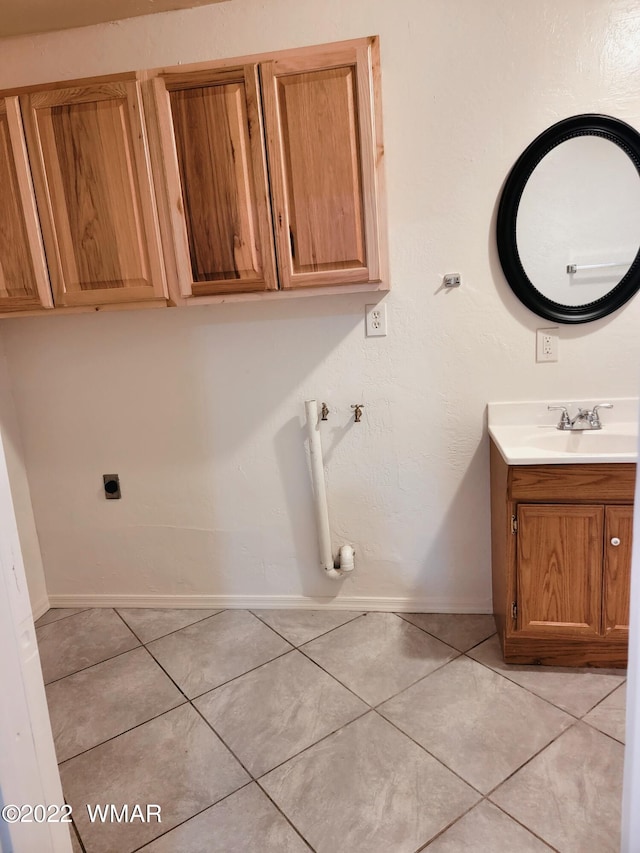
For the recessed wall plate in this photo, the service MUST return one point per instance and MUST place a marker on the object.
(452, 279)
(111, 484)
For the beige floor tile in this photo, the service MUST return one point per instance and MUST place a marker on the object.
(300, 626)
(245, 822)
(174, 761)
(476, 722)
(271, 713)
(570, 794)
(460, 630)
(205, 655)
(378, 655)
(485, 829)
(103, 701)
(79, 641)
(57, 613)
(610, 715)
(149, 623)
(575, 690)
(367, 789)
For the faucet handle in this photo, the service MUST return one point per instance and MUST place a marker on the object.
(565, 420)
(594, 418)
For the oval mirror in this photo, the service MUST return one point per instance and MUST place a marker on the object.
(568, 226)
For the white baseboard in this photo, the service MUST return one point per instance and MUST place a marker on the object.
(40, 608)
(274, 602)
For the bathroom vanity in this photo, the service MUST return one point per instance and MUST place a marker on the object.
(561, 530)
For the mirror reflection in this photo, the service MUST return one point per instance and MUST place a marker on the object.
(578, 221)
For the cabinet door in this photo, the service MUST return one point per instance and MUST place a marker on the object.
(559, 569)
(322, 128)
(93, 185)
(24, 279)
(617, 570)
(210, 130)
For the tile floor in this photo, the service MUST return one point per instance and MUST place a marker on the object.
(289, 731)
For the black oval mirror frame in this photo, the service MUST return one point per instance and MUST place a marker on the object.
(623, 135)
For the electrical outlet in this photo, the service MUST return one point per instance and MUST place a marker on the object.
(546, 345)
(376, 320)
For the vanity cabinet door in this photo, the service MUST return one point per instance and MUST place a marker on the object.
(24, 279)
(320, 121)
(88, 153)
(559, 569)
(617, 570)
(212, 147)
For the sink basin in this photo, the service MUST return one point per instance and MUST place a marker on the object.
(526, 434)
(594, 441)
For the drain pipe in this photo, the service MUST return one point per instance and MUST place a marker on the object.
(345, 562)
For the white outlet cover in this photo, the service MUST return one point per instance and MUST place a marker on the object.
(376, 320)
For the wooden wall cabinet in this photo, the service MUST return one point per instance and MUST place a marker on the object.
(89, 159)
(561, 553)
(274, 163)
(210, 133)
(24, 280)
(261, 175)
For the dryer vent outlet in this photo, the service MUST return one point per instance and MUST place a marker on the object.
(111, 483)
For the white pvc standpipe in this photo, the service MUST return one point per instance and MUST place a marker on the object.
(320, 499)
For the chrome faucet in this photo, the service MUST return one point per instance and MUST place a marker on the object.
(584, 419)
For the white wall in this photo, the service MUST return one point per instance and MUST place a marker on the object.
(14, 454)
(200, 410)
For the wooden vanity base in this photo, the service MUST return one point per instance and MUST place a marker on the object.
(561, 559)
(559, 651)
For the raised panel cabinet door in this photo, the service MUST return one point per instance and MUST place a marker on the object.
(323, 140)
(24, 279)
(617, 570)
(559, 569)
(93, 184)
(210, 134)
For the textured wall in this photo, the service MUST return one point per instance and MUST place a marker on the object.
(14, 455)
(201, 410)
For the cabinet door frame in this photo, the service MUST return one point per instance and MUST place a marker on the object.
(592, 575)
(10, 108)
(363, 56)
(164, 145)
(616, 585)
(84, 92)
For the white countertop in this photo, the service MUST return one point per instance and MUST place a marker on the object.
(525, 433)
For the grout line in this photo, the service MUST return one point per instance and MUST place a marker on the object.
(252, 778)
(85, 668)
(335, 678)
(606, 734)
(175, 630)
(358, 615)
(435, 757)
(62, 618)
(524, 826)
(440, 666)
(600, 701)
(77, 832)
(530, 759)
(126, 731)
(315, 743)
(288, 819)
(235, 677)
(403, 616)
(194, 815)
(543, 698)
(448, 826)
